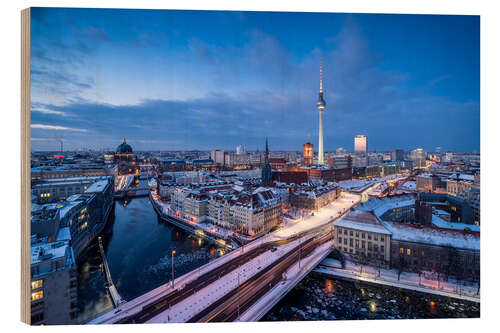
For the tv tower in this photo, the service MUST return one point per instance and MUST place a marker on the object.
(321, 106)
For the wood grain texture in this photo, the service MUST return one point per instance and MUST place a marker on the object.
(25, 165)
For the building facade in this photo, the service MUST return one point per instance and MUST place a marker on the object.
(54, 284)
(308, 154)
(362, 237)
(361, 144)
(313, 198)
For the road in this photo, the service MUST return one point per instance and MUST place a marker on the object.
(229, 307)
(165, 302)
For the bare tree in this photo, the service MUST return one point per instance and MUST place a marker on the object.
(401, 265)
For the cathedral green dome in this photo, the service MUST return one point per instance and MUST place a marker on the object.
(124, 148)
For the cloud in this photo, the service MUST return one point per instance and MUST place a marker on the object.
(48, 111)
(258, 89)
(57, 128)
(433, 82)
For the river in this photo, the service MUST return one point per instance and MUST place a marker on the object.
(320, 298)
(138, 248)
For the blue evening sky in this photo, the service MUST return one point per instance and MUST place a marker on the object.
(175, 80)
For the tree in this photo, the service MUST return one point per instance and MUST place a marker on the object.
(401, 265)
(451, 264)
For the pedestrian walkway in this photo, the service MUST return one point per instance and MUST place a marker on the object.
(389, 277)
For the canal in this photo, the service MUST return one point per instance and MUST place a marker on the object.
(138, 248)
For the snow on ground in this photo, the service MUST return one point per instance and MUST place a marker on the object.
(407, 280)
(189, 307)
(320, 218)
(290, 228)
(136, 304)
(358, 185)
(294, 275)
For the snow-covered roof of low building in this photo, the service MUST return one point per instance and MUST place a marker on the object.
(63, 234)
(46, 251)
(439, 222)
(381, 205)
(409, 185)
(362, 220)
(67, 207)
(97, 187)
(433, 235)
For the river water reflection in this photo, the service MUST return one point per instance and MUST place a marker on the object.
(138, 248)
(319, 298)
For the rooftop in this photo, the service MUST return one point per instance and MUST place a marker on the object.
(48, 251)
(98, 186)
(362, 220)
(434, 235)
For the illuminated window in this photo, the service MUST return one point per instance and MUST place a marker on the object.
(36, 295)
(83, 226)
(408, 252)
(401, 250)
(36, 284)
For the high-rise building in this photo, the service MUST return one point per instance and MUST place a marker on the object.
(397, 155)
(321, 106)
(438, 150)
(307, 155)
(240, 150)
(219, 156)
(360, 144)
(418, 157)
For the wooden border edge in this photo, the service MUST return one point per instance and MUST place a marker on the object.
(25, 165)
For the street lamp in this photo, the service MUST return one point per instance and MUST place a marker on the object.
(300, 249)
(238, 272)
(173, 253)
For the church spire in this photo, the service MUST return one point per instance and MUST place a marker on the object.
(267, 172)
(266, 158)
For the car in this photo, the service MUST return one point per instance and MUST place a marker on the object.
(274, 249)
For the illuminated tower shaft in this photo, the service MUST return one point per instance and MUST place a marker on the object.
(321, 155)
(321, 106)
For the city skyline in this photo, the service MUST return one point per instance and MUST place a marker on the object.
(184, 86)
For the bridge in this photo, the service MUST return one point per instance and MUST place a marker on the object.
(123, 187)
(244, 284)
(115, 296)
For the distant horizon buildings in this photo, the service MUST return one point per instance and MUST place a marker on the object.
(220, 157)
(397, 155)
(241, 150)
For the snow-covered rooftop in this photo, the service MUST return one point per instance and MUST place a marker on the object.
(433, 235)
(362, 220)
(63, 234)
(46, 251)
(97, 187)
(381, 205)
(439, 222)
(67, 207)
